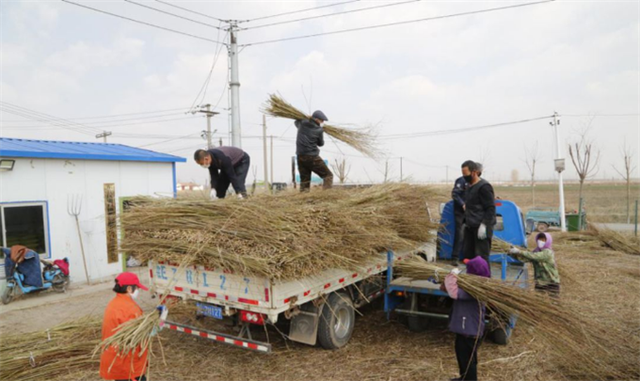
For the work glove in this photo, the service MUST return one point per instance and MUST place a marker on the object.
(212, 195)
(163, 311)
(455, 271)
(514, 250)
(482, 231)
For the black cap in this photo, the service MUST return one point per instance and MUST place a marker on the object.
(319, 115)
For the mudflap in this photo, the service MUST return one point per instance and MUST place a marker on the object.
(304, 325)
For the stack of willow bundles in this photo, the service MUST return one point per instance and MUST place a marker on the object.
(582, 346)
(44, 355)
(285, 236)
(361, 139)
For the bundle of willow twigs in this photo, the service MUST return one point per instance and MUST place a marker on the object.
(583, 348)
(284, 236)
(362, 140)
(595, 237)
(58, 351)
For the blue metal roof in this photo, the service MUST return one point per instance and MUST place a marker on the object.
(53, 149)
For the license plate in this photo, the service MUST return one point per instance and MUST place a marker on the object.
(209, 310)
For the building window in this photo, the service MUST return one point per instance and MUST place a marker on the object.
(25, 224)
(110, 218)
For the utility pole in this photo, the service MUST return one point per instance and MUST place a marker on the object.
(220, 142)
(264, 146)
(400, 168)
(207, 134)
(104, 135)
(234, 85)
(559, 167)
(272, 162)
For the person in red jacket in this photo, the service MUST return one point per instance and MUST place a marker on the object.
(121, 309)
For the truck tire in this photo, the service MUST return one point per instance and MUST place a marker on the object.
(500, 336)
(7, 295)
(336, 321)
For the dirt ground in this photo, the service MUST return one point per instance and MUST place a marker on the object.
(607, 282)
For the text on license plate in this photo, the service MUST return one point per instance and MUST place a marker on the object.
(209, 310)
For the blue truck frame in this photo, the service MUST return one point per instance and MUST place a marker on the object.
(509, 228)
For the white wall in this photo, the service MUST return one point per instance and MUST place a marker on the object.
(56, 180)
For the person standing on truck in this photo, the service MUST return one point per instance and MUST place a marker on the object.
(121, 309)
(310, 137)
(544, 264)
(467, 319)
(227, 166)
(458, 196)
(479, 215)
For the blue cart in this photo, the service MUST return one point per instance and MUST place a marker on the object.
(422, 300)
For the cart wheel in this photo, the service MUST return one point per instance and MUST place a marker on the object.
(336, 321)
(500, 336)
(542, 227)
(59, 284)
(7, 295)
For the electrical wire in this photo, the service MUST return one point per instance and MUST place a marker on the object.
(330, 14)
(205, 85)
(460, 130)
(599, 115)
(32, 114)
(172, 14)
(109, 116)
(190, 11)
(109, 121)
(395, 23)
(110, 126)
(142, 22)
(169, 140)
(300, 10)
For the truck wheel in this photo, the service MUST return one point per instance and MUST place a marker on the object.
(542, 227)
(500, 336)
(7, 295)
(336, 321)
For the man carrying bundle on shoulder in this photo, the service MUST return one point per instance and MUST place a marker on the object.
(310, 137)
(227, 166)
(467, 318)
(544, 264)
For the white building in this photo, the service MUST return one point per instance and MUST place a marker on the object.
(43, 183)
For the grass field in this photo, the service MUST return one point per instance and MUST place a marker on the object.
(602, 202)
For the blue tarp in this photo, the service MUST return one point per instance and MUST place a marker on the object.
(30, 268)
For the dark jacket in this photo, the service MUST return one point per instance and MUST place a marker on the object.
(467, 315)
(480, 205)
(458, 194)
(223, 161)
(310, 137)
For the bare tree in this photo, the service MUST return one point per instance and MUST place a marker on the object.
(583, 157)
(627, 155)
(385, 171)
(531, 160)
(341, 169)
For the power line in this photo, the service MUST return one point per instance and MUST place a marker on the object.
(32, 114)
(100, 127)
(111, 121)
(168, 140)
(190, 11)
(396, 23)
(207, 80)
(332, 14)
(110, 116)
(460, 130)
(172, 14)
(599, 115)
(143, 22)
(301, 10)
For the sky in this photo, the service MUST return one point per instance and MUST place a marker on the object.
(577, 58)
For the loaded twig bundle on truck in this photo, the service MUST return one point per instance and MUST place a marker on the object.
(306, 257)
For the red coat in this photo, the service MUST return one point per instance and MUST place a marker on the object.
(121, 309)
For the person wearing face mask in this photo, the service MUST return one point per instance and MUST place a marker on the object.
(121, 309)
(544, 264)
(479, 214)
(458, 196)
(310, 137)
(227, 166)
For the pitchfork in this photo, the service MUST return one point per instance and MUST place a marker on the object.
(74, 206)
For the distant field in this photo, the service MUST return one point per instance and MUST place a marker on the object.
(602, 202)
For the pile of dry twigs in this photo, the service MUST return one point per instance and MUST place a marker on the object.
(602, 237)
(362, 139)
(582, 347)
(58, 351)
(284, 236)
